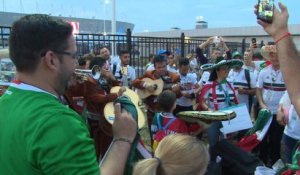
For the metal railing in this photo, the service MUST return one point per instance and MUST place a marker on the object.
(4, 35)
(140, 47)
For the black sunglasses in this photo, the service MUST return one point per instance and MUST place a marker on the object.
(73, 55)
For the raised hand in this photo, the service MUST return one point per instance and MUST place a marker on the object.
(124, 125)
(279, 26)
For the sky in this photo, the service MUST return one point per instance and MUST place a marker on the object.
(154, 15)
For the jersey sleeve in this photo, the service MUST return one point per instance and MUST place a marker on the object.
(260, 80)
(252, 80)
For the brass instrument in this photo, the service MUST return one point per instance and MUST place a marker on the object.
(82, 74)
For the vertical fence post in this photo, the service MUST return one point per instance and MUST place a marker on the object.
(182, 44)
(243, 45)
(2, 40)
(262, 43)
(129, 45)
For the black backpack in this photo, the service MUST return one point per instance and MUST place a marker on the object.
(234, 160)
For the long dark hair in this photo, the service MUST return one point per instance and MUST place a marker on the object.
(213, 75)
(200, 58)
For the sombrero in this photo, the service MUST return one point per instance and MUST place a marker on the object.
(205, 66)
(266, 50)
(4, 53)
(206, 116)
(235, 54)
(221, 62)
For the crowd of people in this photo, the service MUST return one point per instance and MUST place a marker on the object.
(55, 123)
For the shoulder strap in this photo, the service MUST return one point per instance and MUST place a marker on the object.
(214, 95)
(247, 75)
(157, 115)
(169, 123)
(250, 97)
(235, 98)
(114, 69)
(159, 124)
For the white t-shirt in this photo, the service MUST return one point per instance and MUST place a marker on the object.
(172, 69)
(188, 84)
(272, 85)
(204, 78)
(169, 68)
(150, 67)
(194, 63)
(253, 70)
(258, 65)
(238, 79)
(292, 129)
(115, 60)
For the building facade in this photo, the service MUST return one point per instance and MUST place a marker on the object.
(230, 34)
(89, 26)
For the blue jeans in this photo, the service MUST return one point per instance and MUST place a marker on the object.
(289, 145)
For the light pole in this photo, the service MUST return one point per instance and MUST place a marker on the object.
(113, 18)
(105, 2)
(113, 21)
(113, 25)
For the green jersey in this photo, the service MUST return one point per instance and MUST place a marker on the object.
(39, 135)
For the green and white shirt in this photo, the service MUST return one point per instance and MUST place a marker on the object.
(39, 135)
(272, 85)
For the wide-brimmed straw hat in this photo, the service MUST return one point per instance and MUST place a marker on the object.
(205, 66)
(266, 50)
(220, 61)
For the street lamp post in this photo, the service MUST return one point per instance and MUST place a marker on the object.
(113, 24)
(113, 21)
(105, 2)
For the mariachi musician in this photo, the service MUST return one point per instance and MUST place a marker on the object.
(170, 82)
(74, 93)
(97, 95)
(123, 72)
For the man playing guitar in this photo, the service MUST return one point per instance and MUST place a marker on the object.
(170, 82)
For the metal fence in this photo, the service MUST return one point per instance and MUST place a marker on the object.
(140, 47)
(4, 35)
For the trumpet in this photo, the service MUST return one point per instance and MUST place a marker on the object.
(82, 74)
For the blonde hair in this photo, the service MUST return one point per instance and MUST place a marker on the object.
(176, 154)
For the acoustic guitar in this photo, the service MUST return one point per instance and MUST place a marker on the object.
(109, 112)
(144, 93)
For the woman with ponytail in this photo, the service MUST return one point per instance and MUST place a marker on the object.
(176, 154)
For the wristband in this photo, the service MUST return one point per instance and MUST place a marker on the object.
(287, 34)
(122, 140)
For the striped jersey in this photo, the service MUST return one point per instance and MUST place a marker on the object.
(119, 74)
(273, 87)
(239, 81)
(188, 84)
(222, 90)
